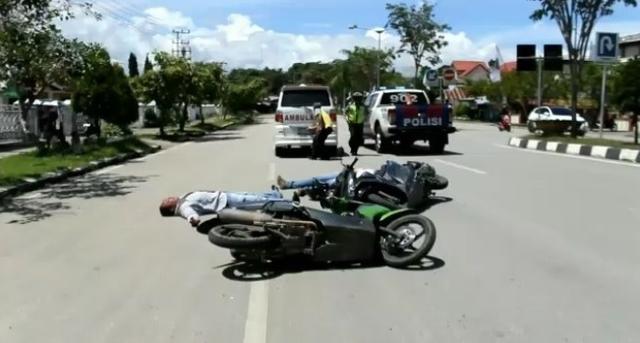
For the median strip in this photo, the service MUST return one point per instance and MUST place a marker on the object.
(596, 151)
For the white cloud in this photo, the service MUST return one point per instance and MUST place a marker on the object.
(242, 43)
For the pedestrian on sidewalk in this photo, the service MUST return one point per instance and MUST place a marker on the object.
(355, 118)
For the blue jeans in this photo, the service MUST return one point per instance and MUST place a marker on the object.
(252, 200)
(329, 180)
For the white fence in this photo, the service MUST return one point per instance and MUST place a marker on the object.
(11, 127)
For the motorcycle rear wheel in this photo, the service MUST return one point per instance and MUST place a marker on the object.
(240, 236)
(405, 253)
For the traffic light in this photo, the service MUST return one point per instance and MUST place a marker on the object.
(553, 60)
(526, 57)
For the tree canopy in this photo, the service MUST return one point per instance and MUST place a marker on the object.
(421, 36)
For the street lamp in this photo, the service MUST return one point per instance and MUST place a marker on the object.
(379, 31)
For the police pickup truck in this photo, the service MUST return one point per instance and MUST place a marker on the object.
(406, 116)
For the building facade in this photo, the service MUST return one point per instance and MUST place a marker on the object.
(629, 47)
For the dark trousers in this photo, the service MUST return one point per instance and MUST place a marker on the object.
(357, 137)
(319, 149)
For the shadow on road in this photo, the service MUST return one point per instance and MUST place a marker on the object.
(50, 201)
(306, 153)
(248, 272)
(415, 150)
(434, 201)
(219, 136)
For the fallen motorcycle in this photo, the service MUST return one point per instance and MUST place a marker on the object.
(394, 185)
(364, 232)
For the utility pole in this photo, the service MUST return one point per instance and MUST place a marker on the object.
(182, 47)
(539, 61)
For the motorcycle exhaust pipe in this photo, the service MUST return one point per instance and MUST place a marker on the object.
(232, 216)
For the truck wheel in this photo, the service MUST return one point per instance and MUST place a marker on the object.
(382, 144)
(436, 145)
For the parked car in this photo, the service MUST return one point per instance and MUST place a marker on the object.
(549, 119)
(406, 116)
(294, 116)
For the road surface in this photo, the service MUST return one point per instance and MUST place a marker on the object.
(532, 247)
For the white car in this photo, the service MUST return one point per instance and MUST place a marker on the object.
(295, 114)
(549, 118)
(406, 116)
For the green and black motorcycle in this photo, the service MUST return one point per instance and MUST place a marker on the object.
(354, 231)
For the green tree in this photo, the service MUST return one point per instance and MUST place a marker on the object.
(576, 20)
(484, 88)
(309, 73)
(420, 33)
(208, 84)
(167, 87)
(33, 52)
(242, 97)
(103, 91)
(361, 66)
(178, 75)
(626, 90)
(133, 65)
(147, 64)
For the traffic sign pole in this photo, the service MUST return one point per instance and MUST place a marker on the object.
(603, 97)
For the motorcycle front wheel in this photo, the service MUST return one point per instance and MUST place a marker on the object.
(240, 236)
(417, 237)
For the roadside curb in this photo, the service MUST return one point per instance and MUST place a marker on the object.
(596, 151)
(51, 178)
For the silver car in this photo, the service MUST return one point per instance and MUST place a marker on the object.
(295, 115)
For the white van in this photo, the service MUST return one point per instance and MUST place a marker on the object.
(295, 114)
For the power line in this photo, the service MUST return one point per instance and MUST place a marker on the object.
(122, 9)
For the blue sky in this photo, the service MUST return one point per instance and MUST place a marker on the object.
(476, 18)
(276, 33)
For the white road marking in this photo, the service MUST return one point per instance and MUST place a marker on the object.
(272, 172)
(255, 329)
(552, 146)
(459, 166)
(109, 170)
(578, 157)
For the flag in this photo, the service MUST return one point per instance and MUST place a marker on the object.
(495, 65)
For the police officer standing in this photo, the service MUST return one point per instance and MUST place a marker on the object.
(355, 119)
(322, 128)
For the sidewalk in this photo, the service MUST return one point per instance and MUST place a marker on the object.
(10, 148)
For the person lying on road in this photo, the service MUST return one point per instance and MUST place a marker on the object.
(195, 204)
(391, 168)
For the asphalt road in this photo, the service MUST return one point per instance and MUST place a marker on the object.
(532, 247)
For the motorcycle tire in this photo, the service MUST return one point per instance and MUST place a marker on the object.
(240, 237)
(394, 258)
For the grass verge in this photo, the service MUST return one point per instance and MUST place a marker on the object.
(13, 169)
(586, 140)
